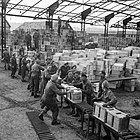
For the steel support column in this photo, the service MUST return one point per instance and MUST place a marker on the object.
(107, 19)
(125, 21)
(2, 12)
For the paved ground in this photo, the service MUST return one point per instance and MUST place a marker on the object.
(15, 101)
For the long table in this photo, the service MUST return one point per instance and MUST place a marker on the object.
(116, 79)
(125, 136)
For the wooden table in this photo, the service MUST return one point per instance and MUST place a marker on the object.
(125, 136)
(116, 79)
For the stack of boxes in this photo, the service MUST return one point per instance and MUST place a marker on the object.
(117, 71)
(129, 85)
(114, 118)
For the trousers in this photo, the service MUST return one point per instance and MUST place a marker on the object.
(51, 105)
(35, 84)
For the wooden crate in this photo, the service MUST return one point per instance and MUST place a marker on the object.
(118, 120)
(76, 96)
(99, 111)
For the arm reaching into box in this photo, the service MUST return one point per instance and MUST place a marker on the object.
(109, 98)
(135, 117)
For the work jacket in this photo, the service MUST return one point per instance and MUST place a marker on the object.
(51, 90)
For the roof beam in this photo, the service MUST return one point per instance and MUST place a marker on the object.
(118, 12)
(47, 9)
(31, 7)
(79, 13)
(43, 18)
(130, 6)
(15, 5)
(73, 9)
(121, 9)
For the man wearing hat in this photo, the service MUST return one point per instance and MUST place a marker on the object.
(35, 77)
(48, 100)
(87, 89)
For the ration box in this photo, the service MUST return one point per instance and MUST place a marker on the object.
(118, 120)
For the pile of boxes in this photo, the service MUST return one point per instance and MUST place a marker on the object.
(112, 117)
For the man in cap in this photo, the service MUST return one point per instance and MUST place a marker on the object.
(48, 99)
(35, 77)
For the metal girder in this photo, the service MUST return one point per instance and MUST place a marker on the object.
(79, 13)
(70, 11)
(42, 18)
(118, 10)
(130, 6)
(63, 8)
(47, 9)
(31, 7)
(101, 19)
(15, 5)
(24, 7)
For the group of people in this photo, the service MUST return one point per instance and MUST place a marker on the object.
(28, 40)
(45, 82)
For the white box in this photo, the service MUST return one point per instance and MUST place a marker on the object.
(76, 96)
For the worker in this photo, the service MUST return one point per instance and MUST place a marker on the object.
(74, 68)
(35, 77)
(102, 79)
(45, 78)
(36, 37)
(107, 95)
(110, 100)
(21, 51)
(69, 78)
(13, 66)
(48, 99)
(28, 39)
(23, 68)
(20, 64)
(77, 80)
(54, 68)
(6, 58)
(87, 89)
(29, 87)
(64, 70)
